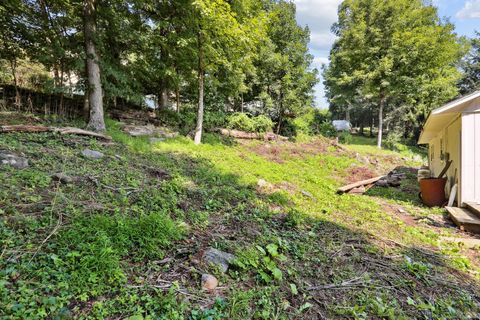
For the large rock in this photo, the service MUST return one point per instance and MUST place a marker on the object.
(218, 258)
(92, 154)
(11, 159)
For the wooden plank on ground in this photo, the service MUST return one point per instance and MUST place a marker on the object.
(474, 208)
(358, 184)
(464, 219)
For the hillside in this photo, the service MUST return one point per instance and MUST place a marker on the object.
(125, 235)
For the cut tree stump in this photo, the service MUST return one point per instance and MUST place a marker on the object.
(65, 130)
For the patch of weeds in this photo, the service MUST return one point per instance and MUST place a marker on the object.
(264, 260)
(417, 268)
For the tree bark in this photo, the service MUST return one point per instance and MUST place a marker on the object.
(177, 97)
(380, 122)
(163, 101)
(201, 76)
(96, 122)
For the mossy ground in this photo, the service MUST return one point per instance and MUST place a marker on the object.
(125, 239)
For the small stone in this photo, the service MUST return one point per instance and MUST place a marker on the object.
(262, 183)
(401, 210)
(61, 177)
(382, 183)
(218, 258)
(209, 282)
(8, 158)
(92, 154)
(307, 194)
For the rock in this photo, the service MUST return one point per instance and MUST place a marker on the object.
(262, 183)
(92, 154)
(218, 258)
(11, 159)
(63, 178)
(393, 181)
(382, 183)
(209, 282)
(307, 194)
(401, 210)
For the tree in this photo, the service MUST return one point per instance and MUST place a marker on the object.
(393, 54)
(95, 94)
(284, 77)
(220, 41)
(471, 68)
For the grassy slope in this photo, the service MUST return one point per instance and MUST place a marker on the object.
(127, 237)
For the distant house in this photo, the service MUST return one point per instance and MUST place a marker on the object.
(342, 125)
(452, 132)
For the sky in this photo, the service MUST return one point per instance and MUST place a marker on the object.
(319, 15)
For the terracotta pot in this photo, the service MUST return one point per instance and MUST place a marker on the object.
(432, 191)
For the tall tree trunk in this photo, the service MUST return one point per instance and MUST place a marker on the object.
(177, 97)
(380, 122)
(201, 76)
(280, 114)
(163, 101)
(96, 122)
(13, 65)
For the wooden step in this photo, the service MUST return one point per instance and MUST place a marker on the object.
(465, 219)
(474, 208)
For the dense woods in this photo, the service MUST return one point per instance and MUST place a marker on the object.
(201, 61)
(211, 56)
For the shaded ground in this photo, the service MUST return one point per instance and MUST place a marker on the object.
(126, 237)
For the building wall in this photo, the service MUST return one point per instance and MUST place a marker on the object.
(446, 146)
(471, 157)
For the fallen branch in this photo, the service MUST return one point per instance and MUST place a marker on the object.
(65, 130)
(355, 282)
(251, 135)
(358, 184)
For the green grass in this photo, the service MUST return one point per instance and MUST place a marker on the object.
(126, 239)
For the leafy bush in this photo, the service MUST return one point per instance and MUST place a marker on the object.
(392, 140)
(241, 121)
(327, 129)
(312, 121)
(345, 137)
(262, 124)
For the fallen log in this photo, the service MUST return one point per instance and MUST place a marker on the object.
(251, 135)
(65, 130)
(358, 184)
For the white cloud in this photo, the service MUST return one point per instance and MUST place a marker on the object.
(471, 10)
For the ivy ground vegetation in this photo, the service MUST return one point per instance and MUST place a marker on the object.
(123, 236)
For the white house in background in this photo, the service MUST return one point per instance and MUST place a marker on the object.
(342, 125)
(452, 132)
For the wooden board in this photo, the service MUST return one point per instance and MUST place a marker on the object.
(474, 208)
(358, 184)
(464, 219)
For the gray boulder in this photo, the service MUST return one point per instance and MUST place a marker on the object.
(218, 258)
(92, 154)
(11, 159)
(62, 177)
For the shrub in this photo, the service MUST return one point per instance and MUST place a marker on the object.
(392, 140)
(345, 137)
(327, 129)
(240, 121)
(262, 124)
